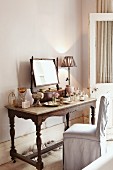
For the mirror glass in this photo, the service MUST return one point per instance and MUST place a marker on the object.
(45, 72)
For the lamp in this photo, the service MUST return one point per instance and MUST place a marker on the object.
(68, 61)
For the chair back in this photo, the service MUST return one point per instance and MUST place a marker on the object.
(102, 116)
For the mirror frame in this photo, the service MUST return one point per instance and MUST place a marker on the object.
(33, 78)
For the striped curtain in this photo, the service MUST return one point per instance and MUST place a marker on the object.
(104, 44)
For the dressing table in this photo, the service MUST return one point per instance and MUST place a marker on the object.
(38, 115)
(41, 75)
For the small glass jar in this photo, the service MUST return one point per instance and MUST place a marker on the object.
(21, 95)
(12, 99)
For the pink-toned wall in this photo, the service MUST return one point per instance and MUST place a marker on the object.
(52, 28)
(88, 6)
(38, 28)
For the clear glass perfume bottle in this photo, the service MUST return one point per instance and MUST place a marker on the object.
(12, 99)
(21, 95)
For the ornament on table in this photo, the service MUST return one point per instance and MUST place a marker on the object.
(37, 97)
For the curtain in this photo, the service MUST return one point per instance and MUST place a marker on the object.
(104, 44)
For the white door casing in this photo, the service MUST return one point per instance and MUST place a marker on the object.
(96, 90)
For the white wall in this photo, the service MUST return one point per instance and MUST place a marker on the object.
(88, 6)
(36, 28)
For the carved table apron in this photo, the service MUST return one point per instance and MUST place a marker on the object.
(38, 115)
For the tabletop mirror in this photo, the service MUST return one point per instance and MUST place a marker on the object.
(43, 72)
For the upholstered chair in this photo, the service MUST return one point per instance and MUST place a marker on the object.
(84, 143)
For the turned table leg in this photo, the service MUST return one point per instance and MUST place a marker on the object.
(12, 135)
(67, 121)
(92, 115)
(39, 164)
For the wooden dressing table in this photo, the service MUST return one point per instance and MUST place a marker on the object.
(38, 115)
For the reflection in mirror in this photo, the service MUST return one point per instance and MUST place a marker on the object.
(104, 51)
(44, 72)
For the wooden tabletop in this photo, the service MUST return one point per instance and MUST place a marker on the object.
(40, 110)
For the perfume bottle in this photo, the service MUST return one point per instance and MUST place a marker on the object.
(12, 99)
(28, 96)
(21, 95)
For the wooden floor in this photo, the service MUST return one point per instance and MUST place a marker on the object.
(52, 161)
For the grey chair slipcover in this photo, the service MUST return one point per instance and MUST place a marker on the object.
(84, 143)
